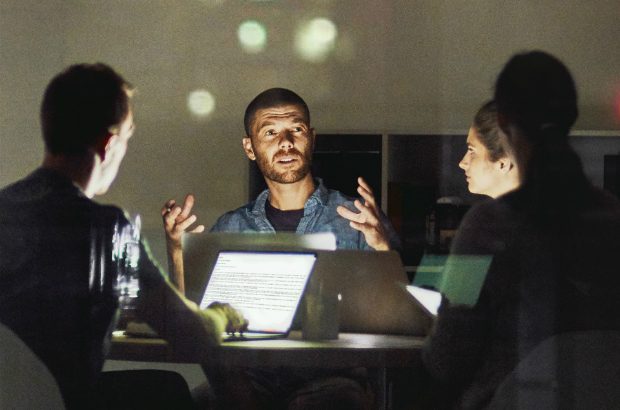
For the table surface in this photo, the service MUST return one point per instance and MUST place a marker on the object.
(349, 350)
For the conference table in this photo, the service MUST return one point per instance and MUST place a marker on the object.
(378, 353)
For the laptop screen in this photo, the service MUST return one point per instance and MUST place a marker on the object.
(265, 287)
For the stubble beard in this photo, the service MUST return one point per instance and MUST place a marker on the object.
(285, 177)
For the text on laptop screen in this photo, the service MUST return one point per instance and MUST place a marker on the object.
(265, 287)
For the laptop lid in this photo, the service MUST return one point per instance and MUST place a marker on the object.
(371, 285)
(266, 287)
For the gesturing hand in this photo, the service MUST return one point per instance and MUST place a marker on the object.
(367, 220)
(177, 220)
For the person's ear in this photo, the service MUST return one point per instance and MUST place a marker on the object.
(248, 149)
(103, 144)
(504, 165)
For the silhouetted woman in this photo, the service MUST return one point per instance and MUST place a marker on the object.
(554, 241)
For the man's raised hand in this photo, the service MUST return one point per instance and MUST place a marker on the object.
(367, 220)
(178, 220)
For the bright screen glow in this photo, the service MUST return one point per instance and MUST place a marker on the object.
(265, 287)
(430, 299)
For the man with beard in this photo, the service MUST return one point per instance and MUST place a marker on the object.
(281, 141)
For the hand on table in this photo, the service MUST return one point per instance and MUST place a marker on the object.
(235, 322)
(367, 220)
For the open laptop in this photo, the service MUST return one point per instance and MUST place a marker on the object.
(370, 283)
(371, 288)
(200, 252)
(266, 287)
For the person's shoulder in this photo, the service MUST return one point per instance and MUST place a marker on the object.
(107, 214)
(6, 196)
(231, 220)
(606, 200)
(335, 197)
(339, 195)
(16, 191)
(486, 227)
(239, 212)
(490, 210)
(110, 209)
(7, 191)
(604, 213)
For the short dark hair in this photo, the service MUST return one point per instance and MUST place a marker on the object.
(485, 124)
(273, 97)
(80, 105)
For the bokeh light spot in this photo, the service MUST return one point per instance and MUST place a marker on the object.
(252, 36)
(201, 103)
(316, 39)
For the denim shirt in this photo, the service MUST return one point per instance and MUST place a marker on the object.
(319, 216)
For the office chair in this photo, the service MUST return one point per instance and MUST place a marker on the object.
(25, 382)
(576, 370)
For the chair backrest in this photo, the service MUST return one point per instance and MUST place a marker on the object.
(576, 370)
(25, 382)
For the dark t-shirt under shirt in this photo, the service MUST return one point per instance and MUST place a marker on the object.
(283, 221)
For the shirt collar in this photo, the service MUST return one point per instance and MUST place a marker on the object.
(319, 197)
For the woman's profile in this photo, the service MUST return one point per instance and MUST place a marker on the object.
(488, 168)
